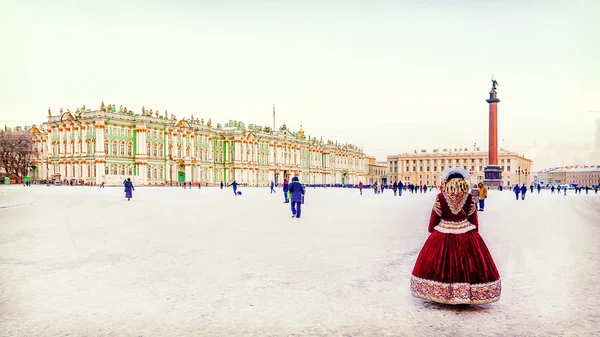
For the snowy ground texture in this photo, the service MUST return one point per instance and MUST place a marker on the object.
(83, 261)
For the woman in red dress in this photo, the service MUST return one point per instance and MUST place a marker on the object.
(455, 266)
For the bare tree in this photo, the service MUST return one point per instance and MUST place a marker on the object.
(16, 152)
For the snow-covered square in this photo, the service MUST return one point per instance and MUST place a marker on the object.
(84, 261)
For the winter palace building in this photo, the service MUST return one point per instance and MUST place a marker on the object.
(110, 144)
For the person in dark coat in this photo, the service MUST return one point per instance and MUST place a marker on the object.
(424, 188)
(234, 184)
(596, 189)
(531, 188)
(395, 188)
(400, 187)
(517, 190)
(221, 185)
(539, 188)
(272, 187)
(286, 186)
(552, 189)
(523, 191)
(360, 187)
(297, 191)
(587, 189)
(128, 189)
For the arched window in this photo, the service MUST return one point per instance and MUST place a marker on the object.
(155, 150)
(115, 169)
(106, 146)
(122, 170)
(179, 152)
(148, 149)
(149, 172)
(130, 149)
(161, 173)
(161, 151)
(155, 173)
(115, 146)
(130, 170)
(106, 168)
(170, 150)
(122, 153)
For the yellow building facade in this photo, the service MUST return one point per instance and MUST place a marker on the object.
(425, 167)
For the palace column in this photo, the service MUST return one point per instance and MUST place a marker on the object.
(493, 172)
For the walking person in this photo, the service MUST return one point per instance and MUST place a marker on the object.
(400, 188)
(272, 187)
(221, 185)
(286, 186)
(539, 188)
(523, 191)
(483, 192)
(129, 189)
(455, 265)
(360, 187)
(517, 190)
(297, 195)
(395, 188)
(531, 187)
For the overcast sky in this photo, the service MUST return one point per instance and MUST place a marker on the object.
(390, 78)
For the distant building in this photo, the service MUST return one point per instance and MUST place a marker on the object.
(378, 172)
(423, 167)
(576, 175)
(110, 144)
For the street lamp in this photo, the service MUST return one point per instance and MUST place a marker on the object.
(47, 169)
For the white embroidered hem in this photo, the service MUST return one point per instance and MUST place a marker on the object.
(455, 293)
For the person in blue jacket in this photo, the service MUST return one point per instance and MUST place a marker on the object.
(286, 186)
(297, 191)
(517, 190)
(272, 187)
(523, 191)
(128, 189)
(400, 188)
(235, 185)
(221, 185)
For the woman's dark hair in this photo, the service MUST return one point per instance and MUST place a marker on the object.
(455, 175)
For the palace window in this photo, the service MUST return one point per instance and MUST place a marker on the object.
(106, 168)
(115, 169)
(179, 152)
(130, 149)
(161, 149)
(114, 148)
(122, 149)
(106, 146)
(122, 170)
(130, 170)
(148, 149)
(149, 173)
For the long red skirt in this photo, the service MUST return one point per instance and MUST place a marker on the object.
(456, 269)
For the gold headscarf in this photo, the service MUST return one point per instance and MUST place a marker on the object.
(457, 185)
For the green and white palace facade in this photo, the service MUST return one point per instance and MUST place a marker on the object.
(109, 144)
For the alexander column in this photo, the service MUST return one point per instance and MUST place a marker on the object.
(493, 172)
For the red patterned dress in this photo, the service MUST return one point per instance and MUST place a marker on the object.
(455, 266)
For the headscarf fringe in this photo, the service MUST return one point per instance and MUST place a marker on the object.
(457, 185)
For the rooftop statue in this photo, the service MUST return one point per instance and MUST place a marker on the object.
(49, 112)
(83, 108)
(202, 121)
(494, 83)
(143, 109)
(209, 123)
(102, 106)
(61, 111)
(120, 108)
(125, 109)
